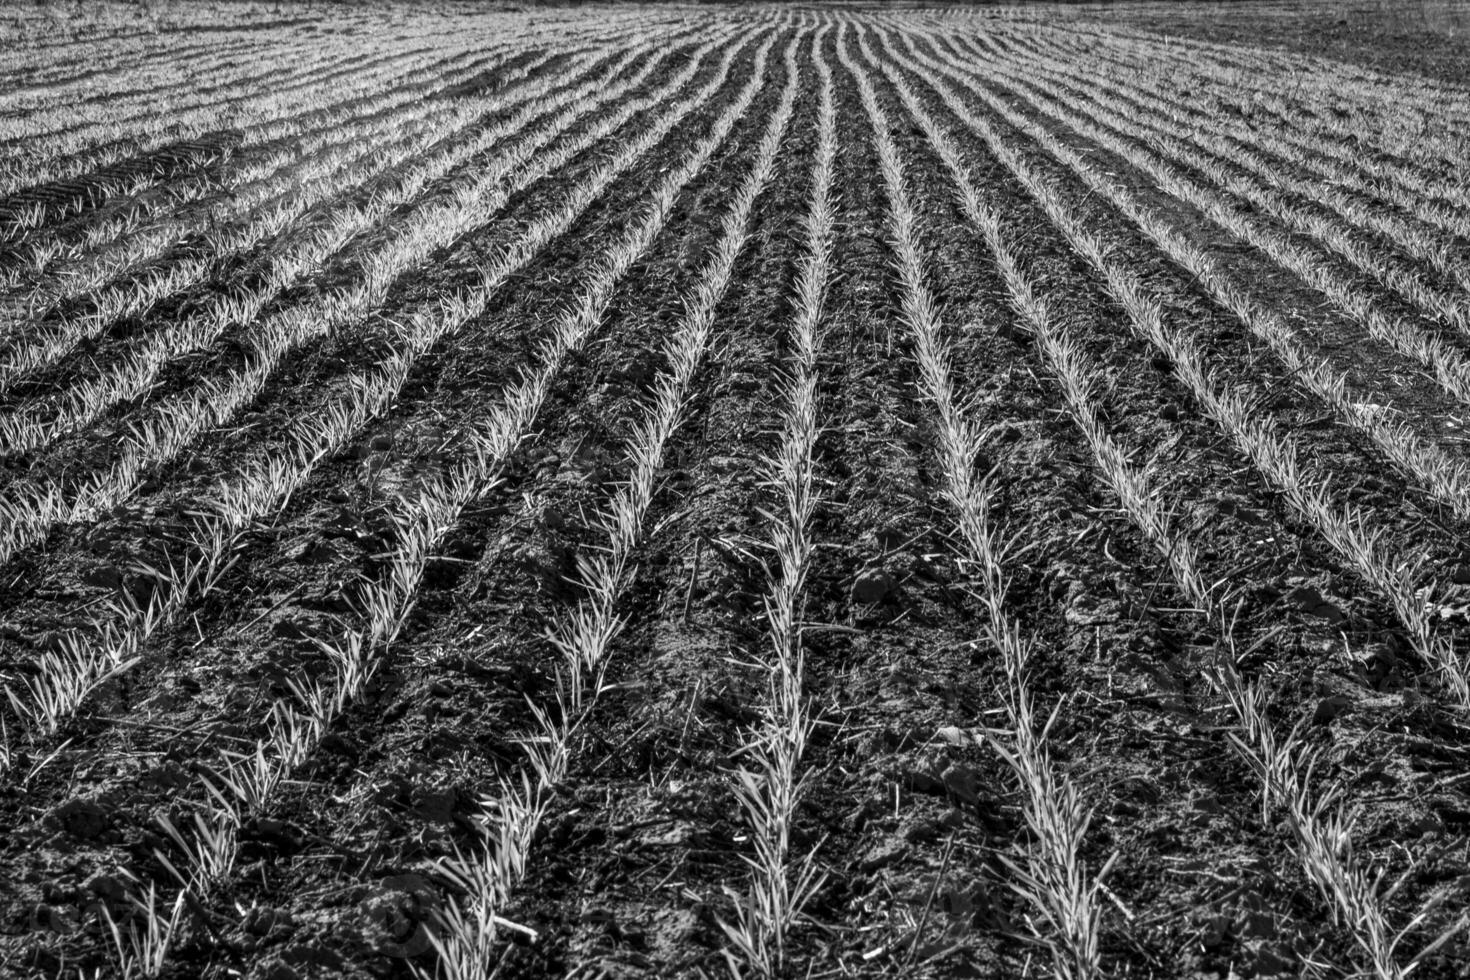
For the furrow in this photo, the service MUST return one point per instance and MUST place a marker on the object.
(1289, 136)
(387, 80)
(244, 785)
(45, 124)
(38, 184)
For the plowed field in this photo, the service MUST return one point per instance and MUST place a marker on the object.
(728, 490)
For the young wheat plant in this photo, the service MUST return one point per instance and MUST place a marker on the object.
(770, 789)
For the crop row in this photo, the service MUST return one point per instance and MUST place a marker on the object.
(1304, 128)
(1446, 479)
(771, 786)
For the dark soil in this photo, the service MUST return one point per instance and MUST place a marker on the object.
(1414, 38)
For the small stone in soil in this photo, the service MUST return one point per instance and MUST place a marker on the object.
(103, 577)
(872, 585)
(82, 819)
(52, 920)
(105, 886)
(1330, 707)
(963, 783)
(922, 831)
(953, 735)
(883, 853)
(1310, 600)
(923, 782)
(289, 629)
(260, 920)
(315, 552)
(1328, 612)
(632, 371)
(1426, 823)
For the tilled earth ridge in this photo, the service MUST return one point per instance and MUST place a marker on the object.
(1186, 860)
